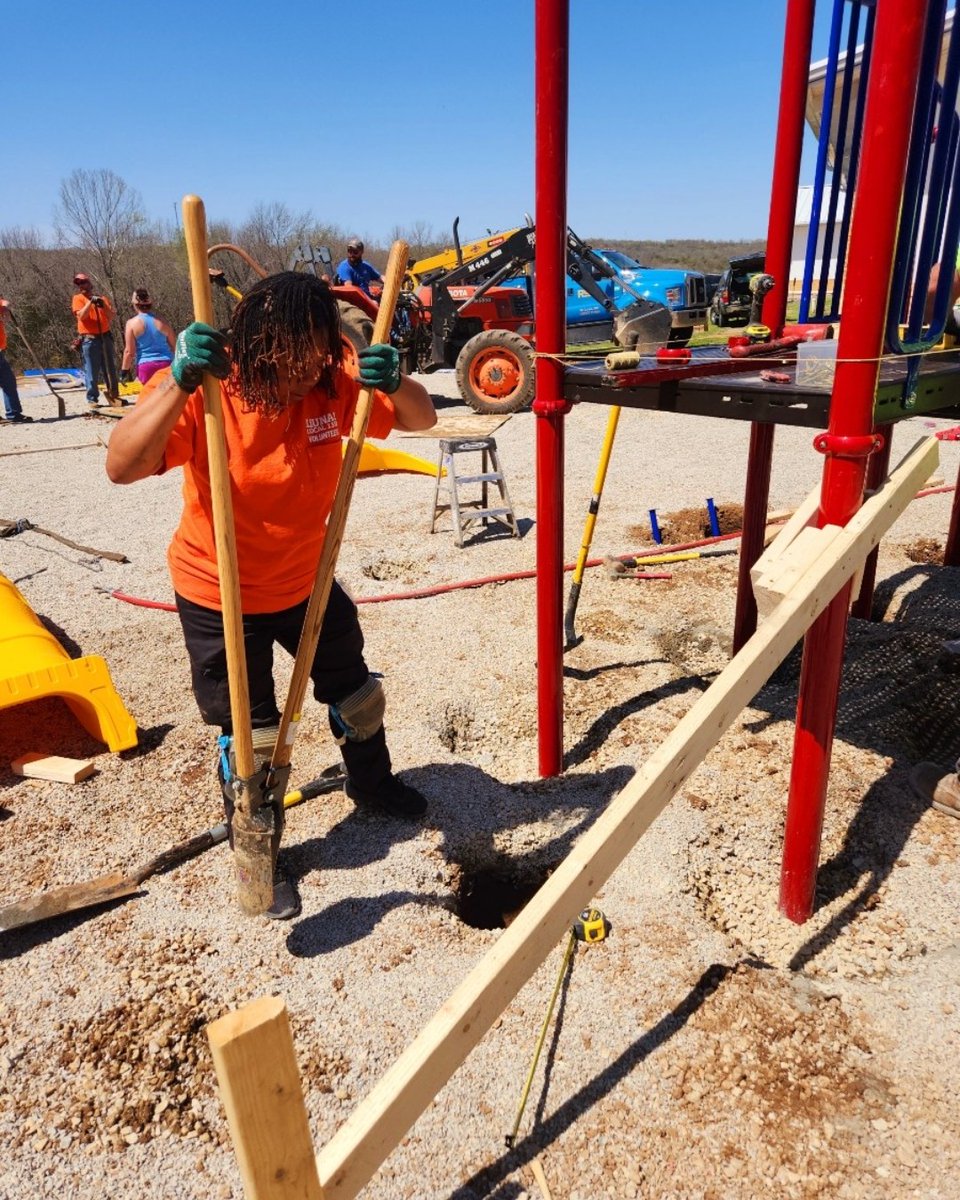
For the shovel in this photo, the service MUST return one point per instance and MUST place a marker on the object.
(117, 885)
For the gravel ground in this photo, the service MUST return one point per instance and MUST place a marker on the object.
(708, 1048)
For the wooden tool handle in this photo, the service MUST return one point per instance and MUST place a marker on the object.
(323, 581)
(195, 232)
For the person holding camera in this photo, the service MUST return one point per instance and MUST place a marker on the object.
(94, 316)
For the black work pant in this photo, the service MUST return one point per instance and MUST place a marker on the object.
(338, 670)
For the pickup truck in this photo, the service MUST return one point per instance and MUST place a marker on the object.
(684, 293)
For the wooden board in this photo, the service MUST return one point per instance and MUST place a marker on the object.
(467, 425)
(53, 767)
(362, 1143)
(260, 1088)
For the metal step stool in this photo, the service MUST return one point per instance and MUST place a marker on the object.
(470, 512)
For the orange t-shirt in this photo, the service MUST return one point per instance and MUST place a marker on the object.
(97, 320)
(283, 473)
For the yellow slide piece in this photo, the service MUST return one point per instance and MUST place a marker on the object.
(374, 458)
(33, 665)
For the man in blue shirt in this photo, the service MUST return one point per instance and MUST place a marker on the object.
(354, 270)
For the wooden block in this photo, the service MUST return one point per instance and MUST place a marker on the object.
(782, 574)
(800, 519)
(60, 770)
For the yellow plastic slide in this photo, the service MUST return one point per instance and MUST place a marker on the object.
(33, 665)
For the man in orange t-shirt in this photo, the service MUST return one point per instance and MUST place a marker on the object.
(8, 382)
(286, 403)
(94, 315)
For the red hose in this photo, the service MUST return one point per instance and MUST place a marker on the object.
(440, 588)
(423, 593)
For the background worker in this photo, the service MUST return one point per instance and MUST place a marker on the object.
(8, 383)
(286, 402)
(355, 270)
(94, 316)
(148, 340)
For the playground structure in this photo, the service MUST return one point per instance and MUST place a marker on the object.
(805, 581)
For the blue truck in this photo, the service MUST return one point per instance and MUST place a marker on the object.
(684, 293)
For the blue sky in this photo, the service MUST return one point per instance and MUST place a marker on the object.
(374, 115)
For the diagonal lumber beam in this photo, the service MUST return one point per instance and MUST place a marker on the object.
(376, 1126)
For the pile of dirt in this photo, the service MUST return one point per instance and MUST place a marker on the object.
(690, 524)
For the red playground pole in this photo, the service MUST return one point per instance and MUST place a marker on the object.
(552, 71)
(891, 91)
(797, 41)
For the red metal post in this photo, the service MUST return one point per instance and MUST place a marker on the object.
(552, 71)
(891, 91)
(877, 469)
(797, 41)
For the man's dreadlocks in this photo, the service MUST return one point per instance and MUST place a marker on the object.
(275, 326)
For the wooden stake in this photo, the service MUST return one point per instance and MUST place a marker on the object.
(361, 1144)
(260, 1088)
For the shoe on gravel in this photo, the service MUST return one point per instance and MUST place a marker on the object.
(19, 418)
(286, 899)
(393, 797)
(938, 787)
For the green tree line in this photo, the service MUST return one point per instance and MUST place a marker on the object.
(101, 228)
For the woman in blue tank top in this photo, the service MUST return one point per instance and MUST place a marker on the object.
(147, 340)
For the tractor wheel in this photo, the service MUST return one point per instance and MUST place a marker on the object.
(680, 335)
(495, 372)
(356, 330)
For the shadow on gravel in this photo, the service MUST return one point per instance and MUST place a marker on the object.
(350, 921)
(475, 813)
(896, 699)
(601, 729)
(874, 841)
(492, 1183)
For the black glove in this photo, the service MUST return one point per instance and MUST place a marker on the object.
(97, 301)
(126, 376)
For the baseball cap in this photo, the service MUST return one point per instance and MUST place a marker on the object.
(355, 244)
(81, 278)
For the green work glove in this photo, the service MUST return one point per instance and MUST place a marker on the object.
(380, 367)
(199, 348)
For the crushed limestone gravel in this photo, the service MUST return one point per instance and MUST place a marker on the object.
(707, 1049)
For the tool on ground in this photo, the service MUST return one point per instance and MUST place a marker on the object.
(336, 524)
(630, 568)
(254, 821)
(117, 884)
(570, 638)
(10, 528)
(590, 926)
(61, 406)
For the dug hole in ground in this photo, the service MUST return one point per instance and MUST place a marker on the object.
(708, 1048)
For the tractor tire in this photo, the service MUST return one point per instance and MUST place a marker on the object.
(495, 372)
(680, 336)
(356, 330)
